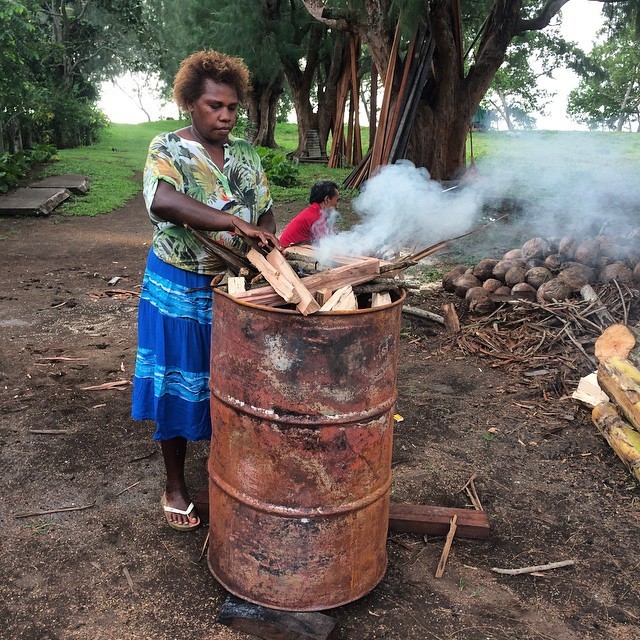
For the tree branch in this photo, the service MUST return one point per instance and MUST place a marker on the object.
(331, 17)
(543, 19)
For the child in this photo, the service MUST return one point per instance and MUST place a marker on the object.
(317, 220)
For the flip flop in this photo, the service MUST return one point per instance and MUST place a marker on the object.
(183, 512)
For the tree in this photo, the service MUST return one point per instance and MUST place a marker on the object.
(609, 95)
(453, 93)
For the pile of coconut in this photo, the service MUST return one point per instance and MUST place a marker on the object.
(547, 270)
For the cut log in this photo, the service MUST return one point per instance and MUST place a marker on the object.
(616, 340)
(622, 438)
(435, 521)
(621, 381)
(273, 276)
(380, 299)
(308, 303)
(343, 299)
(271, 624)
(363, 271)
(236, 285)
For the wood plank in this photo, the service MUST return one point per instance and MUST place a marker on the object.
(32, 202)
(272, 624)
(307, 304)
(309, 251)
(435, 521)
(322, 295)
(363, 271)
(74, 182)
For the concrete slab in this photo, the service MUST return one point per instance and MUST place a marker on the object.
(32, 202)
(74, 182)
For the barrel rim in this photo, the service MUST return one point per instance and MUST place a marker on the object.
(265, 307)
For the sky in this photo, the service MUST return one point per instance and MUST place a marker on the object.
(581, 19)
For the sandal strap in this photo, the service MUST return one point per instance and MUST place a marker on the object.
(182, 512)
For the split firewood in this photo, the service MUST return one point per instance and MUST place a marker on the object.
(380, 299)
(616, 340)
(362, 271)
(622, 438)
(343, 299)
(621, 381)
(236, 285)
(323, 295)
(307, 303)
(280, 284)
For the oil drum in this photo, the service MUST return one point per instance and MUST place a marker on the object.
(300, 460)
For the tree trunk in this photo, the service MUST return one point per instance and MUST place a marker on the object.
(262, 109)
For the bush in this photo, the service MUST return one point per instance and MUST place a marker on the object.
(279, 169)
(14, 166)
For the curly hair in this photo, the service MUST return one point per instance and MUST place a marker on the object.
(188, 85)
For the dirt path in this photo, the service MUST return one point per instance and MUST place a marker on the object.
(551, 486)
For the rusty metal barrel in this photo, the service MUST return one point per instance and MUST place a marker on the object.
(300, 460)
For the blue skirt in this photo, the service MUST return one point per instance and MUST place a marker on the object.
(171, 380)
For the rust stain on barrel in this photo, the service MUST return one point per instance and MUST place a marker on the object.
(300, 461)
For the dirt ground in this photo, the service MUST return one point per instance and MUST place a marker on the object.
(551, 486)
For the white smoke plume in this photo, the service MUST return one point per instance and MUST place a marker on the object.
(568, 183)
(401, 207)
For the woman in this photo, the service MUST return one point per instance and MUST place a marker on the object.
(202, 177)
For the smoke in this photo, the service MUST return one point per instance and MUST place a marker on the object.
(555, 184)
(402, 208)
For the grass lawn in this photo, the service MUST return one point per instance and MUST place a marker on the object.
(115, 164)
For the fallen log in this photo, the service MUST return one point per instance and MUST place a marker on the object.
(622, 438)
(421, 313)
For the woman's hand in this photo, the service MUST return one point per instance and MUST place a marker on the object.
(264, 238)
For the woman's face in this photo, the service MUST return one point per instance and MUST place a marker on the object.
(215, 112)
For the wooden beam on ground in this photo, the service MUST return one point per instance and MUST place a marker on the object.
(363, 271)
(272, 624)
(32, 202)
(74, 182)
(436, 521)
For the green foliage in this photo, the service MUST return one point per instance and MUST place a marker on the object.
(14, 166)
(608, 95)
(279, 169)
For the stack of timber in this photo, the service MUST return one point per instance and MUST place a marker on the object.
(399, 104)
(618, 418)
(348, 151)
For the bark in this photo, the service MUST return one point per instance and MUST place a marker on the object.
(623, 116)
